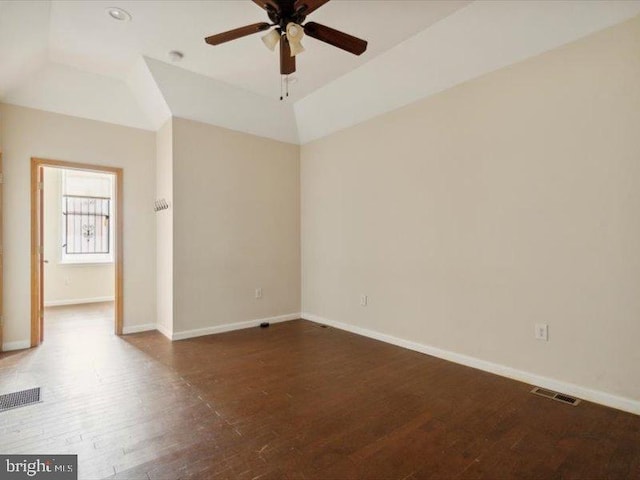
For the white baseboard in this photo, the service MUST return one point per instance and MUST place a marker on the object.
(585, 393)
(19, 345)
(181, 335)
(164, 330)
(232, 326)
(138, 328)
(77, 301)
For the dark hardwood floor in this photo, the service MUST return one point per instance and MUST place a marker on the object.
(292, 401)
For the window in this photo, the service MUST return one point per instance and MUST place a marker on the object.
(87, 217)
(87, 225)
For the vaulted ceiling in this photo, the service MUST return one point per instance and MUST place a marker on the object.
(71, 57)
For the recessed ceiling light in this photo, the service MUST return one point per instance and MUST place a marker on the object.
(175, 55)
(119, 14)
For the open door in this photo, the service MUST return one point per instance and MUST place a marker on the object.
(37, 257)
(41, 250)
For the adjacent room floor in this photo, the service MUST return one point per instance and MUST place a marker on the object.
(292, 401)
(76, 322)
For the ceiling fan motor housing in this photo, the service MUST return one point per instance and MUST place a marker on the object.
(287, 14)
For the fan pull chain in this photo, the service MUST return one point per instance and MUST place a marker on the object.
(284, 89)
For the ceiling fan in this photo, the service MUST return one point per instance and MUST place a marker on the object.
(287, 16)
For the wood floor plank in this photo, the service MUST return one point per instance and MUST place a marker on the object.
(294, 401)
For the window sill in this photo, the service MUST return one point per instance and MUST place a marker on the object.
(92, 263)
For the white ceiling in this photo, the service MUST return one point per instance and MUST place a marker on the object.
(22, 52)
(219, 103)
(82, 35)
(70, 57)
(475, 40)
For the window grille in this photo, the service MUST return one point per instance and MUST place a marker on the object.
(87, 224)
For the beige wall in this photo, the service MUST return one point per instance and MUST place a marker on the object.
(470, 216)
(27, 133)
(164, 228)
(236, 226)
(68, 284)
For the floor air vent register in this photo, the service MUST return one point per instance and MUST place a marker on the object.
(559, 397)
(19, 399)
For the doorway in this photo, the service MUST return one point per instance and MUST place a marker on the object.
(76, 239)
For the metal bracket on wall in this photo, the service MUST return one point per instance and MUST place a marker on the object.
(160, 204)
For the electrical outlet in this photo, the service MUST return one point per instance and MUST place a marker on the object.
(542, 331)
(364, 300)
(258, 292)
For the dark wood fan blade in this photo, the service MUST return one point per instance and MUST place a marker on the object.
(237, 33)
(268, 4)
(287, 62)
(305, 7)
(336, 38)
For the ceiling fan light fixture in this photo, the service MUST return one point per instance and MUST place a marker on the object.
(294, 34)
(294, 30)
(295, 48)
(271, 39)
